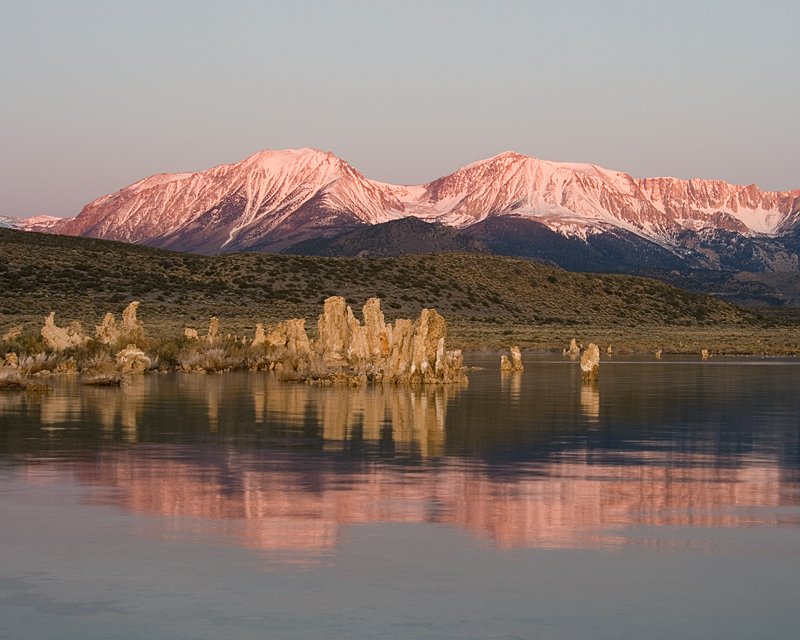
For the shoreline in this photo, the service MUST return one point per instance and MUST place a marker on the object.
(477, 336)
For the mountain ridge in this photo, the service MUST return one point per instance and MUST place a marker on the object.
(578, 216)
(235, 206)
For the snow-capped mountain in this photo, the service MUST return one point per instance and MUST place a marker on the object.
(275, 199)
(576, 198)
(35, 223)
(276, 196)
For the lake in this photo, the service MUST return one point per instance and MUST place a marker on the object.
(663, 502)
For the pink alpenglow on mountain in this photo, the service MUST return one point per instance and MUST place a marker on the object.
(275, 199)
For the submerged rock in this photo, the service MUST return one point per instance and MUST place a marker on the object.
(590, 363)
(11, 380)
(103, 371)
(111, 379)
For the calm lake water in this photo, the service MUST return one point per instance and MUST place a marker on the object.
(663, 502)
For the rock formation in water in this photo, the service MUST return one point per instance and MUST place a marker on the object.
(340, 339)
(11, 380)
(131, 330)
(573, 350)
(514, 363)
(590, 363)
(347, 350)
(429, 361)
(377, 334)
(58, 338)
(290, 335)
(132, 359)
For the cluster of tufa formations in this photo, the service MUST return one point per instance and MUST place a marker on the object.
(344, 349)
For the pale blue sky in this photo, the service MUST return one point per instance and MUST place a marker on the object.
(96, 95)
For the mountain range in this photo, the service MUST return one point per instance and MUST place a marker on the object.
(579, 216)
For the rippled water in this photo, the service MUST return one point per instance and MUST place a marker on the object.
(662, 502)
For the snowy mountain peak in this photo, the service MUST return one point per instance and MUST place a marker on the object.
(275, 197)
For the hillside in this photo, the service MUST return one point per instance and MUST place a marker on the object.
(394, 238)
(487, 299)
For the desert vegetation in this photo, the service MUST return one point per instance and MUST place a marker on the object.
(489, 301)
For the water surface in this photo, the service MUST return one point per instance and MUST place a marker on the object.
(662, 502)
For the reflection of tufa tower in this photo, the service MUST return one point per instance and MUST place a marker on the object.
(590, 402)
(412, 416)
(113, 407)
(511, 384)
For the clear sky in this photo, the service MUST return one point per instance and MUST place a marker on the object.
(98, 94)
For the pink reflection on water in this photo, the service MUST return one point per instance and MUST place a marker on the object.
(277, 507)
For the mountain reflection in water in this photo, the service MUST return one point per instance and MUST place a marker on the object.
(514, 459)
(290, 503)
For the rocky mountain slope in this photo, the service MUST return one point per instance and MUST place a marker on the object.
(274, 196)
(579, 216)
